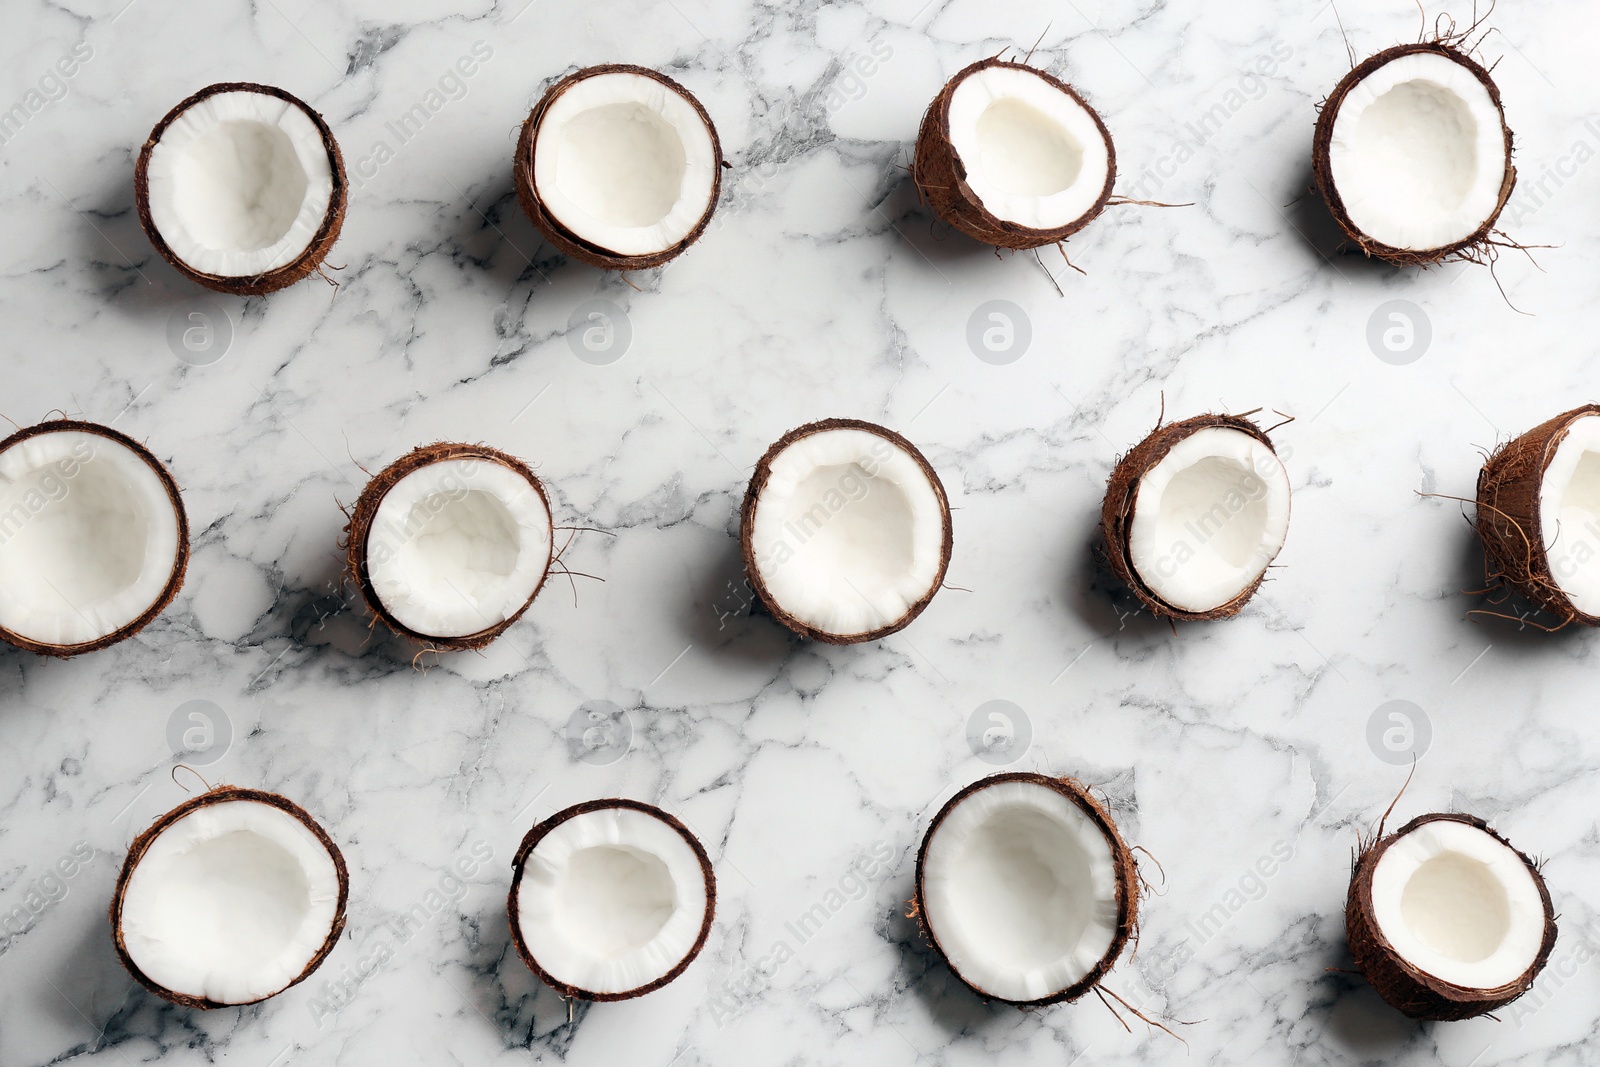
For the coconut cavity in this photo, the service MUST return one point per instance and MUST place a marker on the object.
(1447, 920)
(1195, 514)
(229, 899)
(619, 166)
(610, 899)
(93, 537)
(1026, 889)
(451, 543)
(1013, 157)
(242, 188)
(845, 531)
(1412, 153)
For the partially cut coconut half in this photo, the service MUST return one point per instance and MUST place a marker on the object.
(1195, 514)
(241, 188)
(229, 898)
(450, 543)
(610, 899)
(1013, 157)
(1538, 515)
(1413, 156)
(845, 531)
(1026, 889)
(1447, 920)
(94, 541)
(619, 166)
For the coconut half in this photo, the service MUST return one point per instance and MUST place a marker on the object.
(1538, 515)
(1013, 157)
(450, 544)
(619, 166)
(241, 188)
(1195, 514)
(610, 899)
(1447, 920)
(845, 531)
(1025, 888)
(94, 541)
(1413, 156)
(230, 898)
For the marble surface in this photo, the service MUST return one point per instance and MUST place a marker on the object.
(821, 289)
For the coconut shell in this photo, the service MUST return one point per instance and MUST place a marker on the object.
(251, 284)
(1127, 873)
(941, 176)
(220, 795)
(1406, 988)
(359, 529)
(747, 514)
(519, 864)
(1116, 511)
(1322, 166)
(1508, 523)
(180, 563)
(569, 243)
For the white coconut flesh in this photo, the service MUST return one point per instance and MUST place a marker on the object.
(458, 546)
(1033, 155)
(611, 900)
(1020, 891)
(624, 163)
(1459, 905)
(88, 537)
(239, 184)
(230, 903)
(1209, 518)
(848, 531)
(1417, 153)
(1569, 514)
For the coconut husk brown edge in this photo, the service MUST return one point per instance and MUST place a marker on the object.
(1508, 515)
(180, 563)
(531, 840)
(569, 243)
(1116, 511)
(747, 512)
(359, 528)
(1127, 874)
(1322, 165)
(219, 795)
(941, 178)
(255, 284)
(1406, 988)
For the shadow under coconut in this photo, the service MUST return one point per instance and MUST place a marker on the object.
(1101, 600)
(527, 1013)
(1501, 615)
(1315, 224)
(325, 615)
(126, 271)
(493, 232)
(951, 1003)
(725, 617)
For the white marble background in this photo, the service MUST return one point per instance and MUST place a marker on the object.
(822, 289)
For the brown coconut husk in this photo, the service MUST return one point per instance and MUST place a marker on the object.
(1116, 511)
(180, 563)
(1481, 244)
(941, 177)
(223, 794)
(1128, 884)
(1405, 987)
(519, 864)
(747, 512)
(569, 243)
(1514, 540)
(308, 262)
(358, 530)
